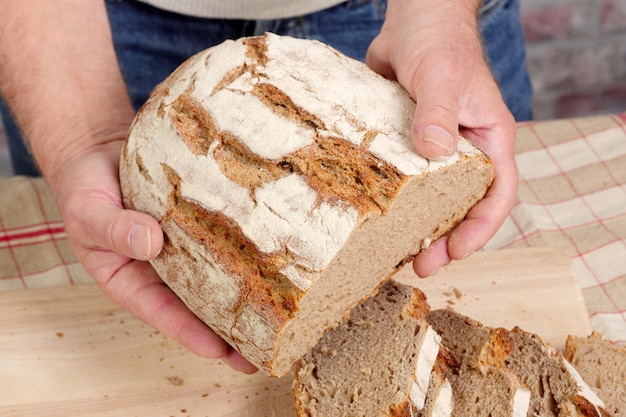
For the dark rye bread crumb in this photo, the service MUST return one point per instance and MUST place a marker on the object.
(479, 346)
(366, 365)
(492, 392)
(556, 390)
(602, 364)
(481, 385)
(285, 203)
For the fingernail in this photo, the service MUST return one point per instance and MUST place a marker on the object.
(440, 137)
(140, 242)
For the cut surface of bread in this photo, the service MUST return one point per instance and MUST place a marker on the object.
(492, 392)
(556, 388)
(481, 385)
(602, 365)
(288, 189)
(377, 362)
(439, 397)
(474, 345)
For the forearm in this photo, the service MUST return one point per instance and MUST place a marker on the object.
(59, 74)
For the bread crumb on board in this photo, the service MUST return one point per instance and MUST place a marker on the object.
(454, 292)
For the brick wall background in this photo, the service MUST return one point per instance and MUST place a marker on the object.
(576, 52)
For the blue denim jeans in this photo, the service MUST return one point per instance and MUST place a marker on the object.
(150, 43)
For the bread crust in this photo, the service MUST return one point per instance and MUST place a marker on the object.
(268, 212)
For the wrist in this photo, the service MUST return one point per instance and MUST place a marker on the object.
(75, 134)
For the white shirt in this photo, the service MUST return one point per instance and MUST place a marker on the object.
(243, 9)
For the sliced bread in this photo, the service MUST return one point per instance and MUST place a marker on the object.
(602, 365)
(481, 384)
(555, 386)
(439, 397)
(490, 392)
(377, 362)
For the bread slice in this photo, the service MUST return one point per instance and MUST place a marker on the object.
(556, 388)
(377, 362)
(474, 345)
(288, 190)
(481, 384)
(490, 392)
(602, 365)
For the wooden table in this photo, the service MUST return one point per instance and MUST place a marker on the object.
(69, 351)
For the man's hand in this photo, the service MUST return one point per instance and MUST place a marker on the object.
(433, 49)
(113, 244)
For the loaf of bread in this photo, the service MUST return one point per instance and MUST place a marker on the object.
(602, 364)
(556, 388)
(377, 362)
(287, 188)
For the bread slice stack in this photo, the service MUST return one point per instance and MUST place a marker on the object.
(284, 178)
(386, 360)
(555, 386)
(481, 384)
(369, 366)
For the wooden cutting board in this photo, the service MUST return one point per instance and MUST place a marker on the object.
(71, 352)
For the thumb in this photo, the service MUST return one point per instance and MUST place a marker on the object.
(96, 223)
(435, 127)
(131, 233)
(377, 57)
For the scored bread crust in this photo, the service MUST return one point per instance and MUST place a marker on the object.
(285, 182)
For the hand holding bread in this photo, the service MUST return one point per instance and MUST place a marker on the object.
(287, 188)
(434, 51)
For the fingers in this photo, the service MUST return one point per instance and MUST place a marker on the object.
(238, 362)
(434, 85)
(480, 224)
(111, 243)
(434, 131)
(428, 261)
(93, 212)
(482, 221)
(133, 234)
(96, 222)
(137, 287)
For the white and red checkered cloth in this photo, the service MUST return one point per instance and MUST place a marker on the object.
(572, 196)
